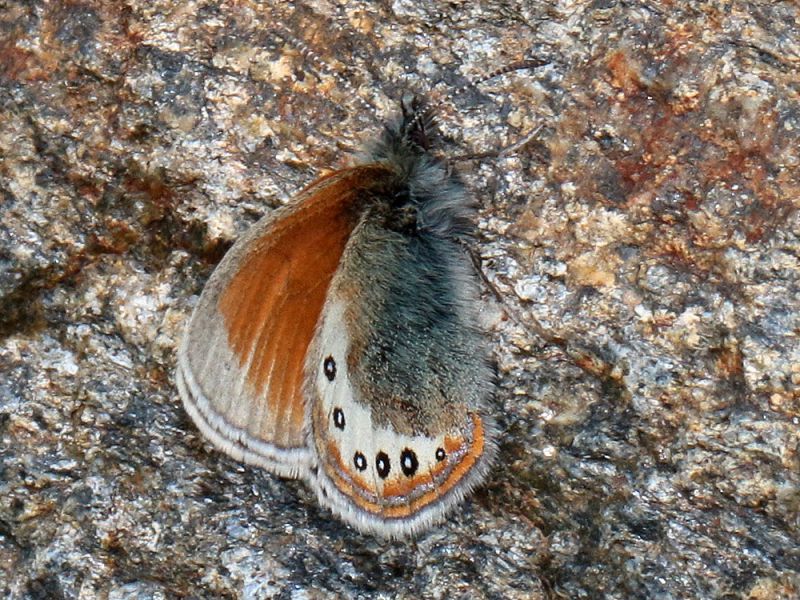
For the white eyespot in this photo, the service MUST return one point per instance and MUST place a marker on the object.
(408, 462)
(338, 418)
(360, 461)
(329, 368)
(382, 464)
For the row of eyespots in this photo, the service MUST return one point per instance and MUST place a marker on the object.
(408, 458)
(409, 463)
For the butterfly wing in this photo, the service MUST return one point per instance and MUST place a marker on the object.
(398, 381)
(241, 363)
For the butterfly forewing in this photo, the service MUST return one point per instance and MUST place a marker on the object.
(240, 366)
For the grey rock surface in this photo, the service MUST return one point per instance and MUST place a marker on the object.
(645, 245)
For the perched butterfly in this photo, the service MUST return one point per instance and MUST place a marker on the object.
(338, 341)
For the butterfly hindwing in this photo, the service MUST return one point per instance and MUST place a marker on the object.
(397, 383)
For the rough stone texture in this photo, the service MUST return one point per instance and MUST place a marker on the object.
(644, 243)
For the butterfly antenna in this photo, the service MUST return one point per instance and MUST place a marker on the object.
(320, 65)
(520, 65)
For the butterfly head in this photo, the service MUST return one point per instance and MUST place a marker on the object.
(406, 138)
(427, 194)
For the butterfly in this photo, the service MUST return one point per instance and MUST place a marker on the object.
(338, 340)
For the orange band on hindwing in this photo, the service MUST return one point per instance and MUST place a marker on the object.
(393, 501)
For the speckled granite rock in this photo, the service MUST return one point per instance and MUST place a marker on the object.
(645, 245)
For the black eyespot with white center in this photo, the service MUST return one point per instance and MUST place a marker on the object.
(440, 454)
(408, 462)
(329, 367)
(338, 418)
(360, 461)
(382, 464)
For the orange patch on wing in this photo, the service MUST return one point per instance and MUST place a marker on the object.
(359, 481)
(438, 468)
(271, 305)
(474, 452)
(452, 444)
(403, 486)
